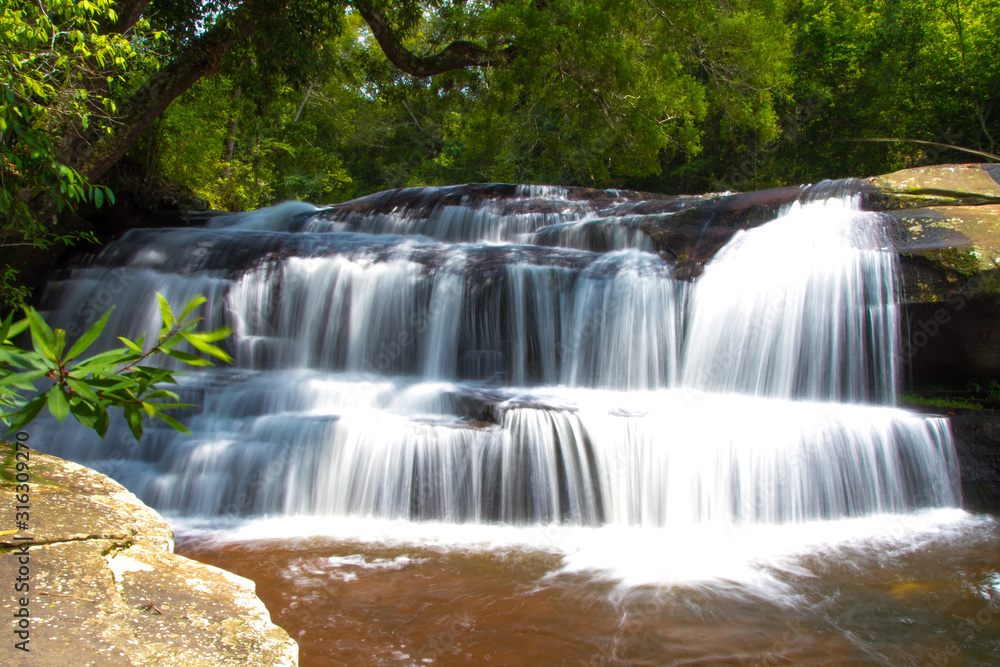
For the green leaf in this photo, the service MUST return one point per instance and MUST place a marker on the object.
(106, 360)
(26, 360)
(166, 314)
(134, 419)
(189, 359)
(162, 393)
(60, 343)
(218, 334)
(89, 336)
(202, 346)
(42, 338)
(173, 423)
(58, 405)
(109, 384)
(5, 325)
(169, 343)
(84, 412)
(17, 327)
(191, 305)
(24, 381)
(83, 390)
(101, 423)
(27, 413)
(130, 345)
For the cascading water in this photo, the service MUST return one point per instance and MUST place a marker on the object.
(448, 361)
(487, 424)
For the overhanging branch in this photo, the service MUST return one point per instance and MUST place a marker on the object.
(457, 55)
(971, 151)
(202, 56)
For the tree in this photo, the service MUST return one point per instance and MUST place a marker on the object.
(600, 94)
(272, 30)
(60, 76)
(908, 69)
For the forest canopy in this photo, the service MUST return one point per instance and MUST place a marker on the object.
(245, 103)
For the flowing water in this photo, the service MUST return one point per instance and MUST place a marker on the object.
(467, 429)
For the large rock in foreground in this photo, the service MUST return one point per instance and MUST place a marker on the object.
(104, 587)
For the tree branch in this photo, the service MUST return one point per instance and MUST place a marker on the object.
(984, 154)
(93, 156)
(457, 55)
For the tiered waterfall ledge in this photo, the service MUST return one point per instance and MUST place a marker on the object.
(105, 588)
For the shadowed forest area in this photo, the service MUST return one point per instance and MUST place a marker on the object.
(240, 104)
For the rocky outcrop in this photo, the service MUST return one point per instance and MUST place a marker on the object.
(977, 442)
(947, 226)
(103, 586)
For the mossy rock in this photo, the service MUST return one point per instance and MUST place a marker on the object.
(943, 185)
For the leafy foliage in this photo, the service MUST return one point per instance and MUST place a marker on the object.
(663, 95)
(907, 69)
(601, 94)
(61, 74)
(118, 378)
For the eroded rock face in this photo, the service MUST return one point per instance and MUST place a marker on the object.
(947, 221)
(977, 441)
(105, 587)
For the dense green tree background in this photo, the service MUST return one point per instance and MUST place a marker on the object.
(653, 95)
(244, 103)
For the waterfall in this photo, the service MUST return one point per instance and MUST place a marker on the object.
(520, 355)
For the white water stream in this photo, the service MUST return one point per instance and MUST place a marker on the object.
(460, 373)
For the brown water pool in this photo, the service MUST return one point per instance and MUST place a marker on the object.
(934, 601)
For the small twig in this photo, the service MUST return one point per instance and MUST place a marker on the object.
(153, 607)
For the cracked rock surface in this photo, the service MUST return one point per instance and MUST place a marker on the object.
(107, 589)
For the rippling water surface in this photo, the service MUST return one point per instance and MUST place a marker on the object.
(893, 590)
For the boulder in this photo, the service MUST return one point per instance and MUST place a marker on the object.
(947, 234)
(103, 586)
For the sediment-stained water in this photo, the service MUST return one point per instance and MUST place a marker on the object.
(927, 596)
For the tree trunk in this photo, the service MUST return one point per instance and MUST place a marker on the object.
(231, 139)
(92, 153)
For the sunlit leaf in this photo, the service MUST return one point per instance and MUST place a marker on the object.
(165, 313)
(191, 305)
(202, 346)
(89, 336)
(58, 405)
(42, 338)
(189, 359)
(173, 423)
